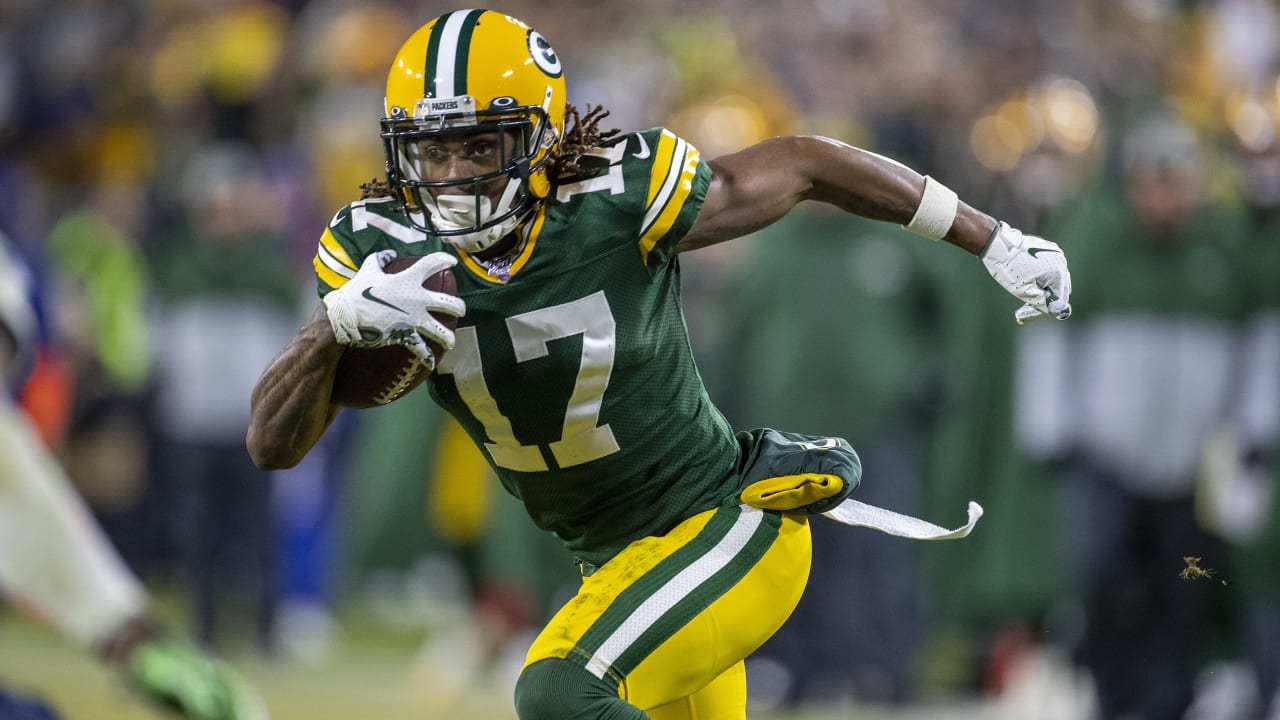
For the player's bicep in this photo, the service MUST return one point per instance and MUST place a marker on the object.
(749, 190)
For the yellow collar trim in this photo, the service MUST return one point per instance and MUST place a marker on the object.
(530, 231)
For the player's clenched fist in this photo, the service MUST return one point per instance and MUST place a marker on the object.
(1032, 269)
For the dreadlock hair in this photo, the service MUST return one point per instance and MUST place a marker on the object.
(583, 134)
(375, 188)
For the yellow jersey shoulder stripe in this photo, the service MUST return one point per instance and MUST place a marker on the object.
(332, 263)
(327, 276)
(662, 162)
(670, 184)
(334, 254)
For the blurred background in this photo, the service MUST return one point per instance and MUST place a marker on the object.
(166, 167)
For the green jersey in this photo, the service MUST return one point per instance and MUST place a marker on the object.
(575, 374)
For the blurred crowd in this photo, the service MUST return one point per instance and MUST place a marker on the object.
(167, 165)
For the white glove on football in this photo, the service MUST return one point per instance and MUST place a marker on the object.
(376, 309)
(1032, 269)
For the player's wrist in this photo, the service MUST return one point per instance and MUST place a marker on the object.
(341, 316)
(1002, 244)
(991, 236)
(936, 212)
(117, 647)
(318, 333)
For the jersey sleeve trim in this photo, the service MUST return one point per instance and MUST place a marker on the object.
(670, 186)
(332, 263)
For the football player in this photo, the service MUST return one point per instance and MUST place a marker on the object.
(571, 368)
(56, 563)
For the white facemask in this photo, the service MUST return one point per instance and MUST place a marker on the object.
(455, 212)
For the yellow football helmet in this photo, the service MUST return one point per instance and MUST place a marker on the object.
(467, 72)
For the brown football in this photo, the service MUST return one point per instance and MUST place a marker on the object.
(369, 377)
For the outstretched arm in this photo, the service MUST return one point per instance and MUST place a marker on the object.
(756, 186)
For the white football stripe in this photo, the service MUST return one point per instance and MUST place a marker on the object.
(676, 589)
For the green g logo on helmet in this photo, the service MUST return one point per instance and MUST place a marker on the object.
(543, 55)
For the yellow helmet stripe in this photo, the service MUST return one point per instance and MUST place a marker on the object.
(447, 53)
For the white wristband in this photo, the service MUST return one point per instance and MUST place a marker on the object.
(937, 211)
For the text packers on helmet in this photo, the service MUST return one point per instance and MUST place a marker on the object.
(473, 71)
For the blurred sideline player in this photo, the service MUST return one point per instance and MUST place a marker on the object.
(58, 566)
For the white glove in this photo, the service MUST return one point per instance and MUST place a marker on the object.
(1033, 270)
(376, 309)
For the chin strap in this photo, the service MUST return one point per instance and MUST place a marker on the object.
(455, 212)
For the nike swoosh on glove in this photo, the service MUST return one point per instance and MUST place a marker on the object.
(375, 308)
(1032, 269)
